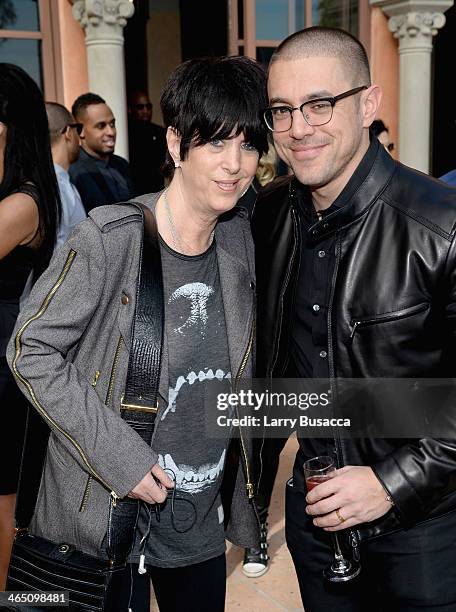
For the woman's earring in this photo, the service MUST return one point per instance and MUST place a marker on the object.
(177, 164)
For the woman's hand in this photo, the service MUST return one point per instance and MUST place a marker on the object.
(152, 488)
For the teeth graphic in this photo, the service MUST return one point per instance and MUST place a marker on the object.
(193, 480)
(190, 378)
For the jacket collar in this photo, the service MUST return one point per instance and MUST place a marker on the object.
(362, 197)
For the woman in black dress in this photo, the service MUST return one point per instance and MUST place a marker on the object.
(29, 215)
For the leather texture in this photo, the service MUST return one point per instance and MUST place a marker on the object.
(392, 313)
(39, 565)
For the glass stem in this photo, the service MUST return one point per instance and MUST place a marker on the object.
(337, 550)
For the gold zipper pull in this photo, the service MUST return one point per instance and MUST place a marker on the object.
(249, 487)
(114, 498)
(95, 379)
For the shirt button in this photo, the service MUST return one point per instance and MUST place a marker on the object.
(124, 299)
(321, 254)
(315, 307)
(323, 354)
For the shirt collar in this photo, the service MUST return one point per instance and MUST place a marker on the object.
(101, 162)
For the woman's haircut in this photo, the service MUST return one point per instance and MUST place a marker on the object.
(27, 156)
(215, 98)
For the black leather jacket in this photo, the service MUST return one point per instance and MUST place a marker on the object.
(392, 313)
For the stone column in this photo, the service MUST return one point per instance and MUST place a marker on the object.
(103, 22)
(414, 23)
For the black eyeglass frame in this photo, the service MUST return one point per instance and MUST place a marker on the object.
(331, 99)
(77, 126)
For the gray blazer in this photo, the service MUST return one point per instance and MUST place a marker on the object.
(69, 354)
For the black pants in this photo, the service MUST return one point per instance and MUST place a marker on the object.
(266, 455)
(195, 588)
(412, 570)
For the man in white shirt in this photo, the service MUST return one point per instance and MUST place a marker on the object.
(64, 133)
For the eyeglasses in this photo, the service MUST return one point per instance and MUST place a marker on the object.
(77, 126)
(315, 112)
(148, 105)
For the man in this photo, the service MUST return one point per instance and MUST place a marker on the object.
(100, 176)
(147, 145)
(64, 134)
(355, 279)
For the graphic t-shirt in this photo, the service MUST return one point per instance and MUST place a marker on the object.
(189, 528)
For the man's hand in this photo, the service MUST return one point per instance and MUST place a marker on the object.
(152, 488)
(355, 492)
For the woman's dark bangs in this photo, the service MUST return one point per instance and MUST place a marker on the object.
(231, 117)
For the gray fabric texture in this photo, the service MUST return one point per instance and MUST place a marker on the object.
(76, 323)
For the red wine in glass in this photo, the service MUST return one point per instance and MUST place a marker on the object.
(313, 481)
(316, 471)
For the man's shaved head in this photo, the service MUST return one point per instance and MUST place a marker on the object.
(327, 42)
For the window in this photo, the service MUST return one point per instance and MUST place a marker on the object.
(258, 26)
(26, 40)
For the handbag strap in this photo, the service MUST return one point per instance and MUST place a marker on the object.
(139, 403)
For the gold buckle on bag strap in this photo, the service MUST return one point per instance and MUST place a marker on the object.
(138, 408)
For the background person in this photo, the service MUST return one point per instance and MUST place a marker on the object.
(379, 129)
(100, 176)
(29, 215)
(64, 133)
(215, 138)
(147, 144)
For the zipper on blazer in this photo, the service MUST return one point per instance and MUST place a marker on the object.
(28, 386)
(88, 487)
(249, 485)
(112, 377)
(384, 318)
(108, 402)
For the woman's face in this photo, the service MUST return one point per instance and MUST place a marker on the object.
(215, 175)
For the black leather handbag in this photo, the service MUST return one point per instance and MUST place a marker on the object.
(38, 564)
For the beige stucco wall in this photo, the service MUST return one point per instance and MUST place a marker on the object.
(73, 54)
(164, 53)
(384, 61)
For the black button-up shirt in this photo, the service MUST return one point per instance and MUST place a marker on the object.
(309, 333)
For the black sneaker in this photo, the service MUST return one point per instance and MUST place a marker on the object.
(256, 559)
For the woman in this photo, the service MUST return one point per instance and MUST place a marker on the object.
(29, 211)
(71, 358)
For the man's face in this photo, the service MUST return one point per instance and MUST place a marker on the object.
(99, 133)
(324, 155)
(141, 108)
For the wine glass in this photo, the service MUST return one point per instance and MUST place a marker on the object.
(316, 471)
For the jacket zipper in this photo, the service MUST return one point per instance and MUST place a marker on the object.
(88, 487)
(249, 485)
(109, 394)
(282, 293)
(393, 316)
(47, 300)
(352, 534)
